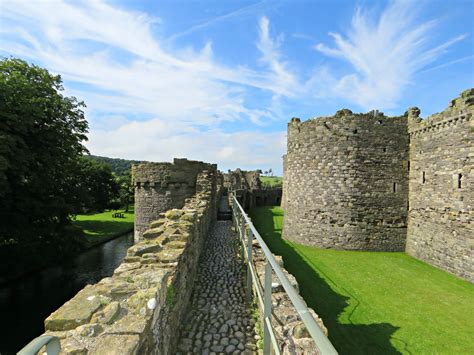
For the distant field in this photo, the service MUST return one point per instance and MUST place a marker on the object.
(273, 181)
(375, 302)
(102, 226)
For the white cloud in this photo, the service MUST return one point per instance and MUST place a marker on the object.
(236, 13)
(181, 84)
(187, 91)
(158, 140)
(385, 53)
(184, 94)
(285, 83)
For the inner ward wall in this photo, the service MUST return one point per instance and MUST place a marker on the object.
(163, 186)
(441, 195)
(346, 182)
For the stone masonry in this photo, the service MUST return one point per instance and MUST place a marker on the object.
(162, 186)
(346, 181)
(371, 182)
(441, 198)
(140, 308)
(248, 189)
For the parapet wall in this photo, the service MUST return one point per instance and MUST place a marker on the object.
(242, 180)
(440, 229)
(139, 309)
(249, 190)
(291, 333)
(162, 186)
(346, 182)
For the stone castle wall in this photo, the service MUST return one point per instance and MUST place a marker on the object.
(242, 180)
(162, 186)
(285, 184)
(346, 182)
(441, 198)
(139, 310)
(249, 190)
(371, 182)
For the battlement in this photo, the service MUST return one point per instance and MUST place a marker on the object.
(181, 171)
(346, 181)
(370, 182)
(344, 126)
(240, 179)
(163, 186)
(441, 186)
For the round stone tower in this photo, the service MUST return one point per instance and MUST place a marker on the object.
(346, 182)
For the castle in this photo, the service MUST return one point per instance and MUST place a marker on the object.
(372, 182)
(160, 187)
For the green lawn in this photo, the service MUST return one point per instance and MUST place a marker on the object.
(273, 181)
(374, 302)
(102, 226)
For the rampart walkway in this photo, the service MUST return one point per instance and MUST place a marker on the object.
(219, 318)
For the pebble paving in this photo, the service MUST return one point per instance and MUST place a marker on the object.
(219, 319)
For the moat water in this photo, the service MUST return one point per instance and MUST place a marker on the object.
(26, 303)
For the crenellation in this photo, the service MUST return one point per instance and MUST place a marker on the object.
(334, 186)
(371, 182)
(441, 188)
(162, 186)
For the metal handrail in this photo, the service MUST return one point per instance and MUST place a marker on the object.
(321, 341)
(53, 346)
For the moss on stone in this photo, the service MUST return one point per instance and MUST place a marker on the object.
(75, 312)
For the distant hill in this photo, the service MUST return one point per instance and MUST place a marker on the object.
(119, 166)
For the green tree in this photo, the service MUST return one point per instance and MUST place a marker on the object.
(126, 191)
(41, 135)
(97, 186)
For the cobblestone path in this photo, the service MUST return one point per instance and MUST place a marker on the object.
(219, 319)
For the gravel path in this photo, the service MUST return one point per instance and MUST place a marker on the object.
(219, 318)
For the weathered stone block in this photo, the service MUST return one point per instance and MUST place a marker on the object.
(111, 344)
(76, 311)
(169, 255)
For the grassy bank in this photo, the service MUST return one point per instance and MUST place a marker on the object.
(377, 303)
(100, 227)
(87, 230)
(272, 181)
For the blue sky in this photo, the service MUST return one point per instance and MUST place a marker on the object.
(219, 80)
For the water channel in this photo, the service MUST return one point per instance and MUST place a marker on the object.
(25, 303)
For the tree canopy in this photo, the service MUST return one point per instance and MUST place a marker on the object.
(41, 135)
(119, 166)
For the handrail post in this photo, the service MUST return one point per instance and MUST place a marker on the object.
(249, 260)
(264, 296)
(242, 227)
(242, 241)
(234, 212)
(267, 308)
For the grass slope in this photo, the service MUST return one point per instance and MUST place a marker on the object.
(374, 302)
(273, 181)
(100, 227)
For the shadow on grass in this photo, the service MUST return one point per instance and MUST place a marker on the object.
(318, 294)
(103, 229)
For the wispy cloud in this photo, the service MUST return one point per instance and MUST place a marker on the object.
(186, 84)
(239, 12)
(123, 71)
(385, 53)
(285, 82)
(149, 98)
(447, 64)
